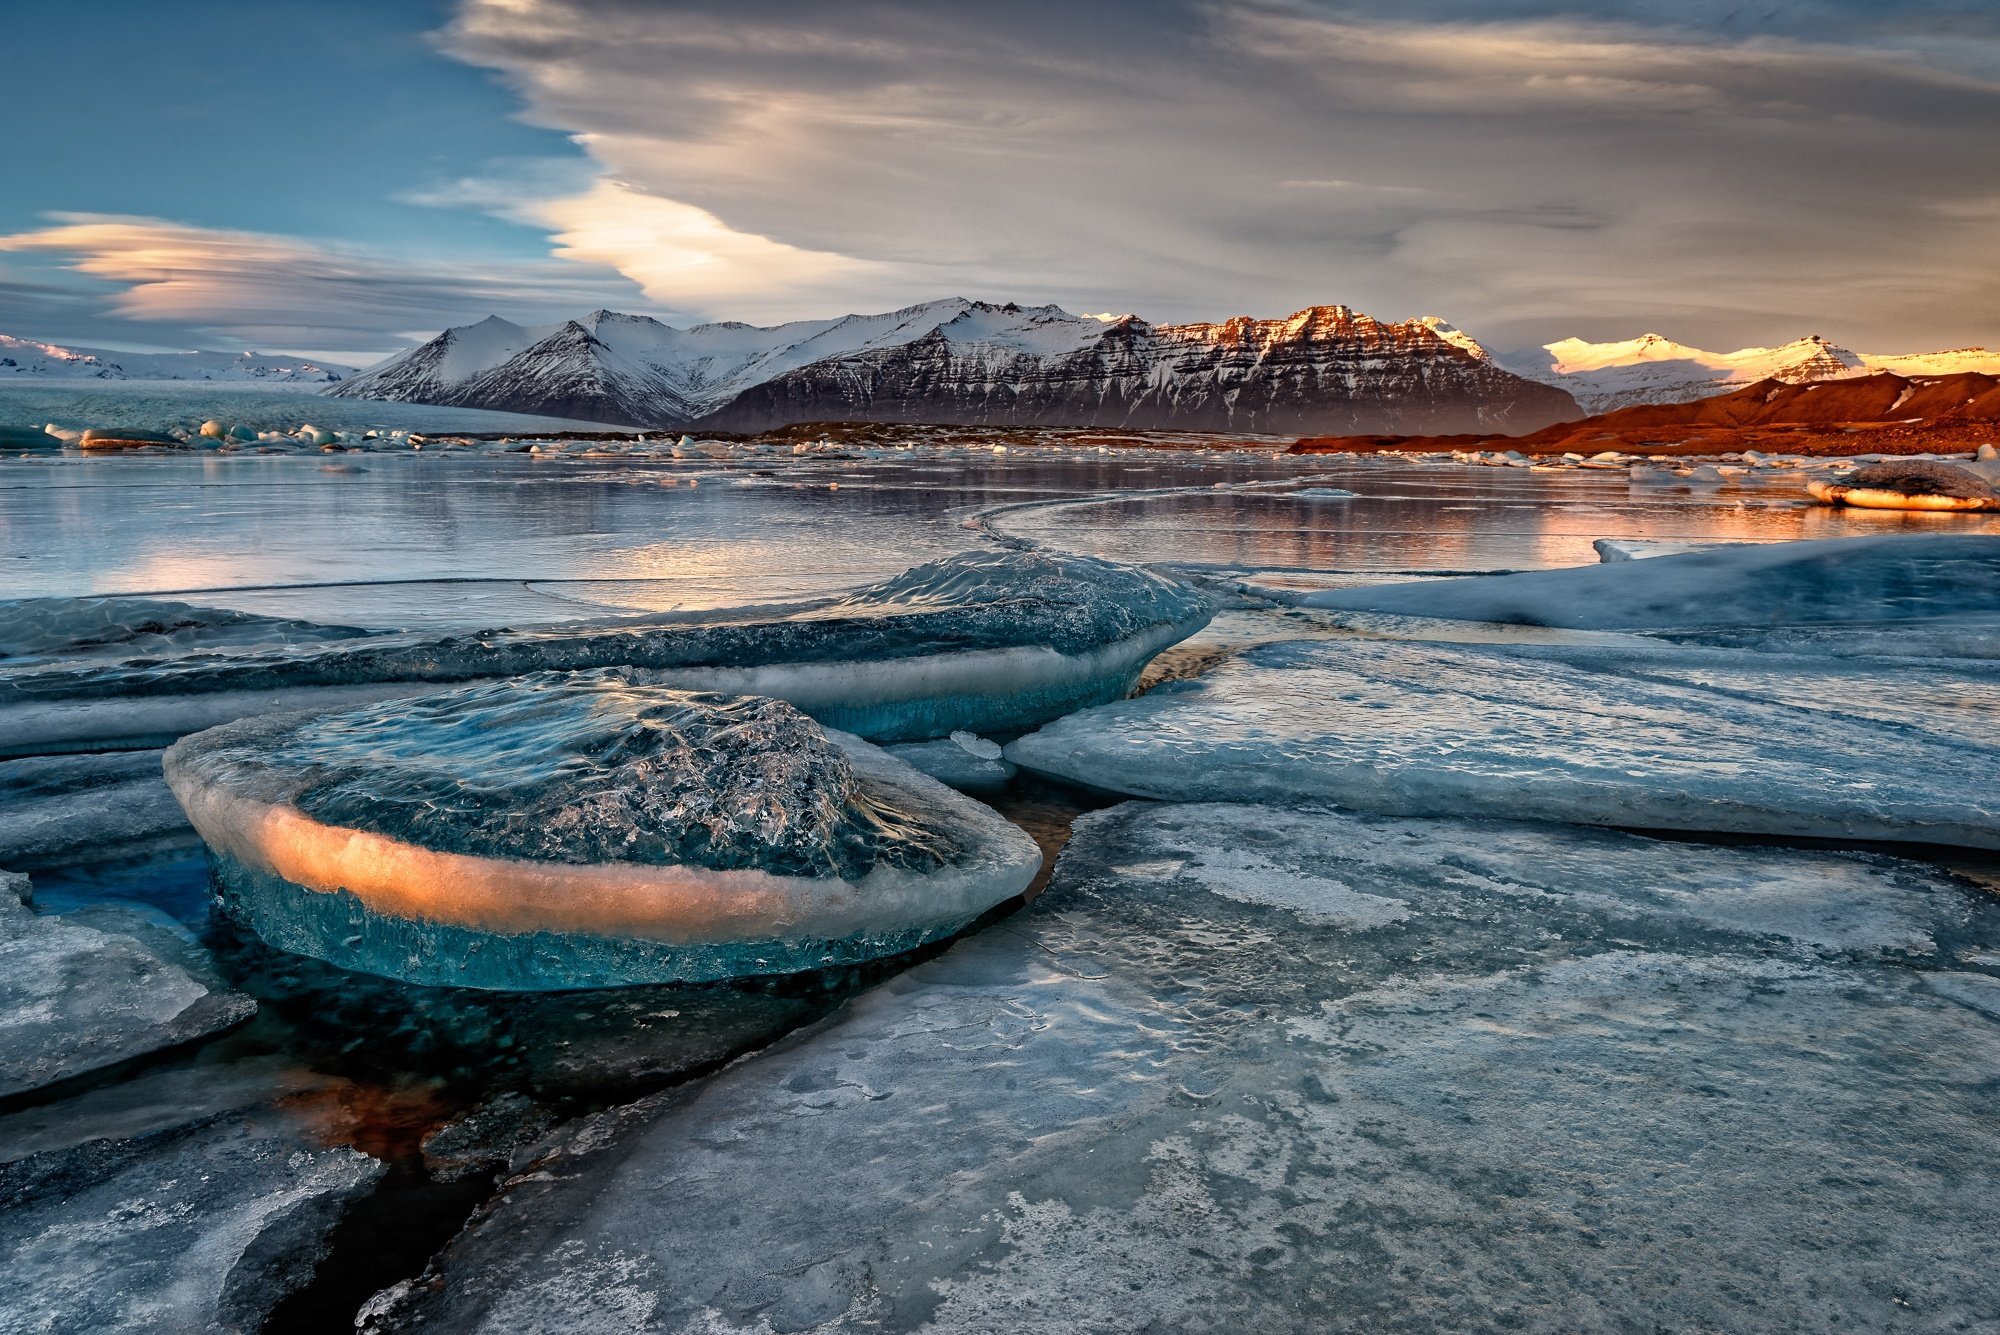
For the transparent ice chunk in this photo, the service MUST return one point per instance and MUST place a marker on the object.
(581, 830)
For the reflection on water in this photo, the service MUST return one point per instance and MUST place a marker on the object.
(459, 541)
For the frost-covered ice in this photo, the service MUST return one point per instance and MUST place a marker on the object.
(1243, 1069)
(585, 830)
(984, 641)
(74, 999)
(62, 809)
(205, 1227)
(1942, 589)
(1685, 739)
(963, 761)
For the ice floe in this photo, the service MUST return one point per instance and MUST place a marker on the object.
(74, 999)
(1839, 581)
(1210, 1081)
(579, 830)
(1684, 739)
(991, 642)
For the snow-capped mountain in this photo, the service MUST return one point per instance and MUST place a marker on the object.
(1325, 368)
(23, 359)
(1603, 377)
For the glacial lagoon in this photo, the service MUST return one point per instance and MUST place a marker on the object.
(1363, 1056)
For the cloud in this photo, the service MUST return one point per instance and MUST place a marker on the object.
(253, 289)
(684, 259)
(1527, 168)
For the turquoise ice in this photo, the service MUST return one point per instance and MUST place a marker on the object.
(585, 830)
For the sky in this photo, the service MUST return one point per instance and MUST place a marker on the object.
(344, 178)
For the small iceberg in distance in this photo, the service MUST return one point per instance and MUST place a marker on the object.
(986, 642)
(596, 829)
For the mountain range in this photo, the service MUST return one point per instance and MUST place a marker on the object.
(24, 359)
(1325, 368)
(1604, 377)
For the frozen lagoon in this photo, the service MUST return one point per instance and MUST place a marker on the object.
(1844, 1000)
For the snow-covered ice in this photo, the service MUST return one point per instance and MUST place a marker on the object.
(1244, 1069)
(1667, 738)
(982, 641)
(74, 999)
(585, 830)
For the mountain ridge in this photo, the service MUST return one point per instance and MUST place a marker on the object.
(1654, 369)
(957, 361)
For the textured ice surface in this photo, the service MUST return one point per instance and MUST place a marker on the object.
(64, 809)
(203, 1228)
(56, 629)
(1686, 739)
(1243, 1069)
(986, 641)
(586, 829)
(74, 999)
(1943, 588)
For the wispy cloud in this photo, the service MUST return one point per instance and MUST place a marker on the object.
(255, 289)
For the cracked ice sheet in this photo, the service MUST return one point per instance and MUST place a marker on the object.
(1580, 1081)
(74, 999)
(1706, 740)
(202, 1227)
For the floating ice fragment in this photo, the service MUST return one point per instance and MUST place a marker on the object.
(955, 766)
(1909, 484)
(1634, 549)
(1707, 740)
(1912, 580)
(976, 745)
(992, 642)
(585, 830)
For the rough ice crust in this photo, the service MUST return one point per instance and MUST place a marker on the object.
(1914, 582)
(201, 1228)
(1707, 740)
(59, 629)
(577, 830)
(74, 999)
(1244, 1069)
(991, 642)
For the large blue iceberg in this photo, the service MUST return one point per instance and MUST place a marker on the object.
(585, 830)
(987, 642)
